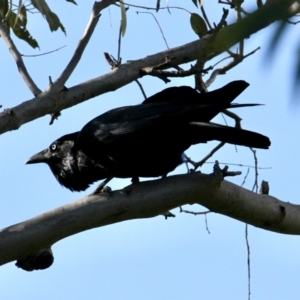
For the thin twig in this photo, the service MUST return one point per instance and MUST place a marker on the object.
(236, 60)
(240, 165)
(162, 33)
(205, 17)
(234, 116)
(119, 41)
(45, 53)
(111, 60)
(206, 223)
(141, 87)
(222, 22)
(163, 75)
(202, 161)
(196, 214)
(19, 61)
(255, 185)
(154, 8)
(193, 212)
(248, 261)
(244, 181)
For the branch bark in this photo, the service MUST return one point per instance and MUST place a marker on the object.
(146, 200)
(52, 101)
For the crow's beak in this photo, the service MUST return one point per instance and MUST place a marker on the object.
(40, 157)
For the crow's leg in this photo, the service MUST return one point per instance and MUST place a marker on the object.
(102, 188)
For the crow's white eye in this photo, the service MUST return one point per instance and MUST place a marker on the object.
(53, 147)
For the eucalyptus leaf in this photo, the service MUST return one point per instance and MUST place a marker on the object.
(198, 25)
(123, 15)
(51, 17)
(195, 2)
(3, 8)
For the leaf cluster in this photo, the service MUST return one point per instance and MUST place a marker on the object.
(14, 17)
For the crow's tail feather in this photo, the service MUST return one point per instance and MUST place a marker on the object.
(203, 132)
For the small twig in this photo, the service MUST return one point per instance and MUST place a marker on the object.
(225, 171)
(141, 87)
(45, 53)
(199, 83)
(206, 224)
(203, 160)
(119, 42)
(205, 17)
(234, 116)
(222, 22)
(168, 214)
(248, 261)
(19, 61)
(227, 57)
(154, 71)
(111, 60)
(54, 116)
(255, 185)
(162, 33)
(247, 242)
(154, 8)
(240, 165)
(196, 214)
(236, 60)
(193, 212)
(244, 181)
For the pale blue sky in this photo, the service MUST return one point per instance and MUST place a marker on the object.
(151, 259)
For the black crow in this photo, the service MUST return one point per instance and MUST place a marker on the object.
(145, 140)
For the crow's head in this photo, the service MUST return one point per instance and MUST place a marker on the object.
(60, 156)
(70, 166)
(57, 152)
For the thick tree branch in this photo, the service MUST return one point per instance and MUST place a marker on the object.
(145, 200)
(206, 48)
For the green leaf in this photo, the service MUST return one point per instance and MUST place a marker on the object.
(195, 2)
(123, 15)
(16, 24)
(51, 17)
(3, 8)
(72, 1)
(198, 25)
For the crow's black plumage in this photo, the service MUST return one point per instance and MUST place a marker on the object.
(145, 140)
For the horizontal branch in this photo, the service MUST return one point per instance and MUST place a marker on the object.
(51, 102)
(145, 200)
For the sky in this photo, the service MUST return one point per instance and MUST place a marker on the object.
(152, 258)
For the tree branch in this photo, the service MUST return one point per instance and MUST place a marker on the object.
(208, 47)
(98, 6)
(146, 200)
(19, 61)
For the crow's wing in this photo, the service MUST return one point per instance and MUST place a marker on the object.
(176, 105)
(154, 119)
(186, 94)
